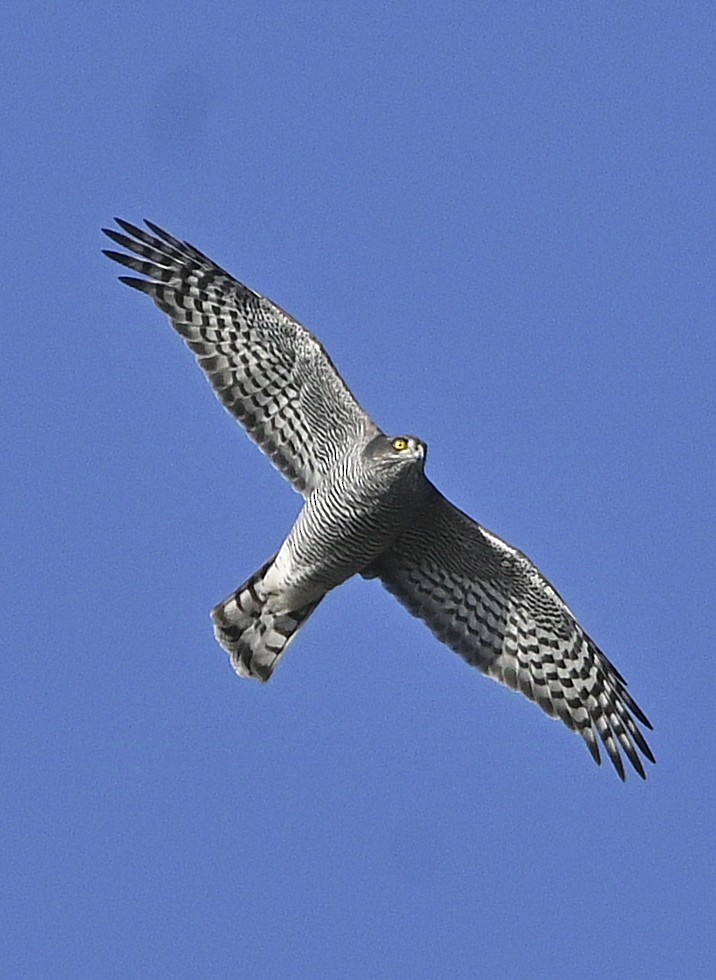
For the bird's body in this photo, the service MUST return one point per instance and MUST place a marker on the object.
(347, 522)
(354, 514)
(369, 509)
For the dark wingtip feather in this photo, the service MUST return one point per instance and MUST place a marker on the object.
(618, 765)
(116, 236)
(143, 285)
(633, 757)
(129, 227)
(636, 710)
(593, 745)
(612, 747)
(120, 257)
(161, 233)
(641, 743)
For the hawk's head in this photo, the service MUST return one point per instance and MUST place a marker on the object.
(397, 450)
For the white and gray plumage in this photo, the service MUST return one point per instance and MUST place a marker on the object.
(369, 510)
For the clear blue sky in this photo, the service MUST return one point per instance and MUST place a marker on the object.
(499, 218)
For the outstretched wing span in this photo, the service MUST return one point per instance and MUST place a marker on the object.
(269, 371)
(489, 603)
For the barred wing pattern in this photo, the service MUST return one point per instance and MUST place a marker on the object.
(273, 375)
(489, 603)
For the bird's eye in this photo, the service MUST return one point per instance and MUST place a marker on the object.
(400, 444)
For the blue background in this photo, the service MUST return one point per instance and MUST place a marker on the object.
(499, 218)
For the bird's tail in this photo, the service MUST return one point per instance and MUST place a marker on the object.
(254, 635)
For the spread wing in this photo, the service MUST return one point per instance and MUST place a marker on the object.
(273, 375)
(489, 603)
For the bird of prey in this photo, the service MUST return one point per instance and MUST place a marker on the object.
(370, 510)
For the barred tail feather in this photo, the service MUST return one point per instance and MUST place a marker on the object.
(254, 635)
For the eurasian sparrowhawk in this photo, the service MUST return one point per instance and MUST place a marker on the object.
(369, 509)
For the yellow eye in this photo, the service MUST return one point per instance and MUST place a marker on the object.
(400, 444)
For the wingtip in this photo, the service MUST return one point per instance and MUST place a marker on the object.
(131, 229)
(639, 714)
(142, 285)
(162, 234)
(616, 760)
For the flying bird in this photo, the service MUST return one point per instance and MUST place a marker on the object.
(370, 510)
